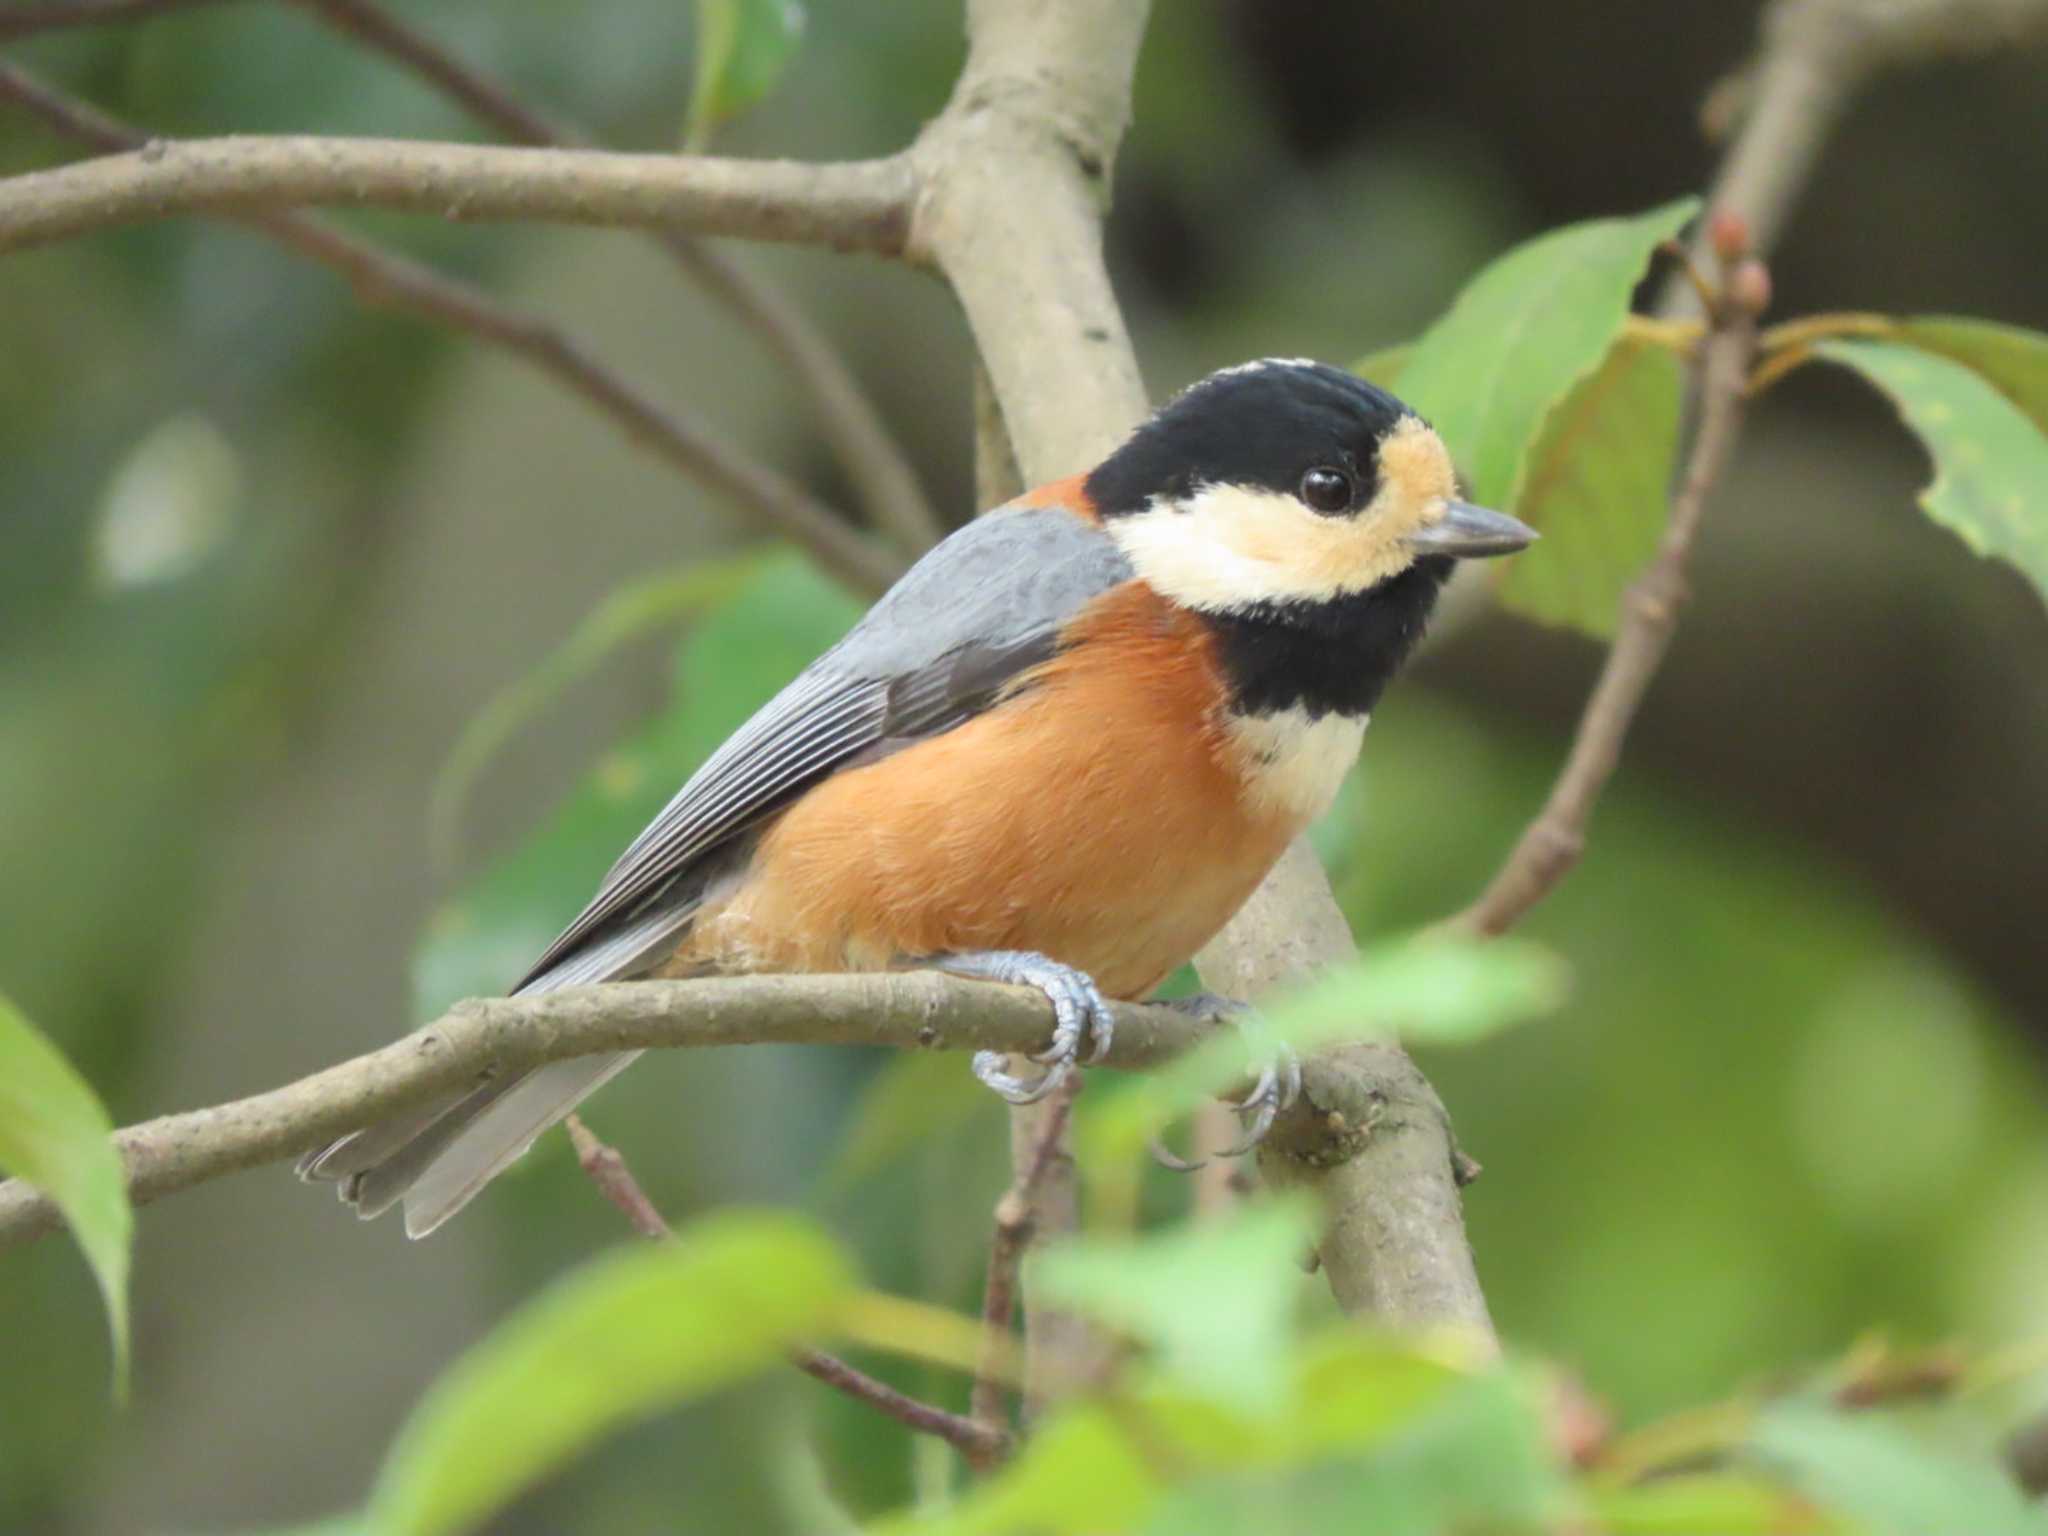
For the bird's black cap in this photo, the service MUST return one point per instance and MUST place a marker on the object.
(1259, 424)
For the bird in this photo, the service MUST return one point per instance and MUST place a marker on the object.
(1060, 751)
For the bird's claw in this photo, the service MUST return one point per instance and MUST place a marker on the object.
(1275, 1089)
(1080, 1014)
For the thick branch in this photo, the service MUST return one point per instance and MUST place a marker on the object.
(502, 1036)
(1013, 180)
(385, 280)
(852, 205)
(1013, 183)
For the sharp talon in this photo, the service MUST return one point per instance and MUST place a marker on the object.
(1079, 1011)
(989, 1071)
(1266, 1087)
(1255, 1132)
(1277, 1087)
(1167, 1158)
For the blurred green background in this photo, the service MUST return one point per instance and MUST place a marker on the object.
(263, 557)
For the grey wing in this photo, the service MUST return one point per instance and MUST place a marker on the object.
(984, 605)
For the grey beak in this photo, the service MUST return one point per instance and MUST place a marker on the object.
(1468, 532)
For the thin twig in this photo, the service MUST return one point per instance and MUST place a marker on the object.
(1015, 1225)
(976, 1442)
(908, 1010)
(385, 280)
(607, 1170)
(874, 462)
(1552, 843)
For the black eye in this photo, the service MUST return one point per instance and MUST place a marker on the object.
(1326, 489)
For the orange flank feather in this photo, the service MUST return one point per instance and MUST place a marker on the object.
(1096, 815)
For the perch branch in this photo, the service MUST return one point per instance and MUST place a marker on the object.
(382, 279)
(501, 1036)
(850, 205)
(979, 1444)
(873, 461)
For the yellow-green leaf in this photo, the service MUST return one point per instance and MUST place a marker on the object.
(742, 49)
(1431, 991)
(635, 1331)
(2012, 360)
(1990, 484)
(1595, 486)
(1870, 1468)
(1216, 1299)
(55, 1134)
(1522, 333)
(1703, 1504)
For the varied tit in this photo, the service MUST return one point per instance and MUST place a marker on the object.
(1061, 751)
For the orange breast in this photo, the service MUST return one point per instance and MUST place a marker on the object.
(1095, 816)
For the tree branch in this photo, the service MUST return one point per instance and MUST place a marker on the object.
(875, 464)
(980, 1444)
(1814, 56)
(501, 1036)
(385, 280)
(1013, 179)
(850, 206)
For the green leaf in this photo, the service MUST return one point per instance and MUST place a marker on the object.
(1523, 332)
(1704, 1504)
(742, 48)
(668, 598)
(1216, 1300)
(1874, 1471)
(55, 1134)
(636, 1331)
(1431, 991)
(728, 666)
(2014, 361)
(1595, 486)
(1990, 483)
(1097, 1467)
(1079, 1472)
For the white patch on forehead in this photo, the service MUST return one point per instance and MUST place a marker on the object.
(1291, 765)
(1260, 365)
(1228, 547)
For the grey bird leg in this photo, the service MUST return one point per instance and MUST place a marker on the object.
(1277, 1086)
(1080, 1011)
